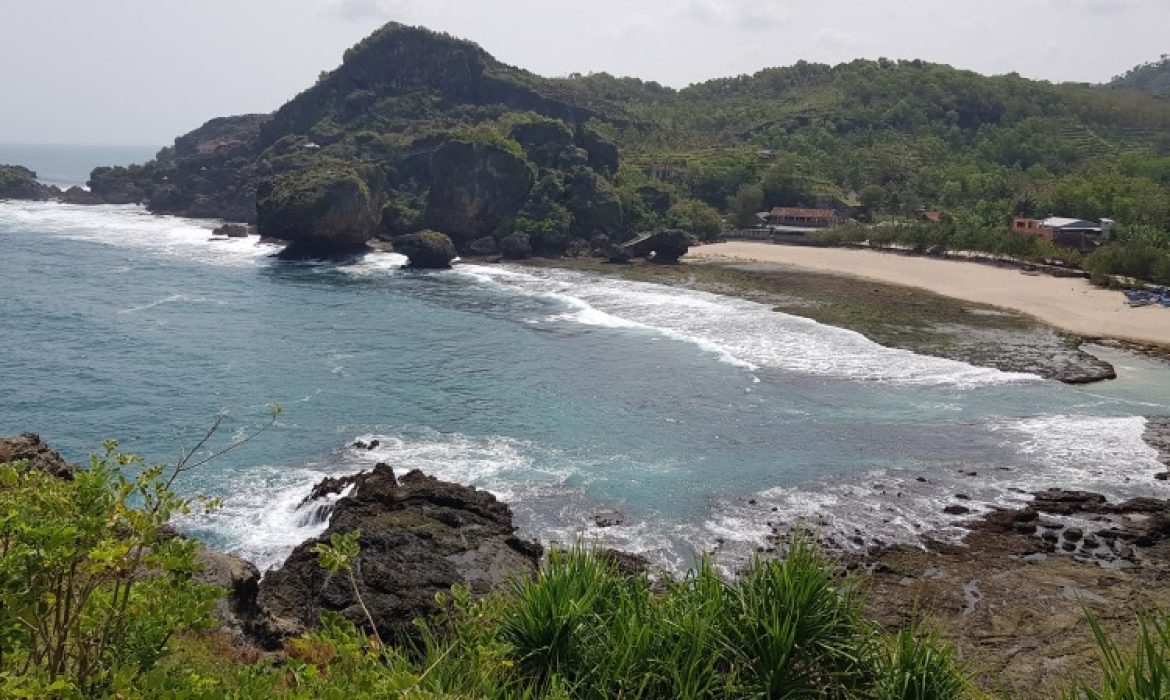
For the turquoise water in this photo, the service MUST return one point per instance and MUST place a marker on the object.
(697, 418)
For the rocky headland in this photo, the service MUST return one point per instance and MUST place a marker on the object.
(1011, 596)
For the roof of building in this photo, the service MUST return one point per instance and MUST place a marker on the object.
(935, 216)
(1061, 222)
(794, 212)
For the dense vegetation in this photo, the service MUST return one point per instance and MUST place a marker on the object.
(1152, 77)
(567, 159)
(98, 600)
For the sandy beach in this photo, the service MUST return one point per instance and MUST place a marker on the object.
(1070, 304)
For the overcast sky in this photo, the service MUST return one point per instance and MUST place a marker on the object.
(144, 71)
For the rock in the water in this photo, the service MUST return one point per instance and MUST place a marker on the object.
(426, 249)
(39, 456)
(234, 231)
(18, 182)
(325, 209)
(78, 195)
(516, 246)
(420, 536)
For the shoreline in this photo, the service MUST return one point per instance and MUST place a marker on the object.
(1070, 304)
(889, 314)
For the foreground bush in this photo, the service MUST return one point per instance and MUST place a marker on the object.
(90, 592)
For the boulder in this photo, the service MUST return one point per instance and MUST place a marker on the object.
(476, 187)
(617, 254)
(419, 537)
(323, 210)
(241, 581)
(234, 231)
(81, 196)
(39, 456)
(516, 246)
(667, 246)
(426, 249)
(483, 246)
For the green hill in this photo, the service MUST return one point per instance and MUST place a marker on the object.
(568, 158)
(1152, 78)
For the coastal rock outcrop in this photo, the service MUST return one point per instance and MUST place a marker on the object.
(516, 246)
(419, 537)
(18, 182)
(476, 187)
(426, 249)
(30, 448)
(322, 210)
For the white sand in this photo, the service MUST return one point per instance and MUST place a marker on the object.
(1071, 304)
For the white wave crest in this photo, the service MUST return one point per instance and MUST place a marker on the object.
(130, 226)
(739, 332)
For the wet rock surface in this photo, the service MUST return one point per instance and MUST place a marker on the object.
(1011, 596)
(420, 536)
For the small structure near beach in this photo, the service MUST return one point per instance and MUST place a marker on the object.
(1078, 234)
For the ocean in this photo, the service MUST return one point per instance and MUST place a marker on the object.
(695, 420)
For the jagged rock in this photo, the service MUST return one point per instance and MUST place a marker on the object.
(234, 231)
(322, 210)
(419, 537)
(483, 246)
(30, 447)
(80, 196)
(426, 249)
(241, 580)
(516, 246)
(476, 187)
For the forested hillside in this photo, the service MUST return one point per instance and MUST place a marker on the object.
(418, 130)
(1152, 77)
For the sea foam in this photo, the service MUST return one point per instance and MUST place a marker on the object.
(738, 332)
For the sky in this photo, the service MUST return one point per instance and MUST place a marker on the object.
(145, 71)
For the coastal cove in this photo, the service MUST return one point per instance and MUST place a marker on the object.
(649, 419)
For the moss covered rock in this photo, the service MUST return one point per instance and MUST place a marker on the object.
(426, 249)
(323, 210)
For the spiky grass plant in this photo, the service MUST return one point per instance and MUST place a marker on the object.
(915, 665)
(1138, 673)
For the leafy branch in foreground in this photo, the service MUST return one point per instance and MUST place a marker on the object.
(93, 584)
